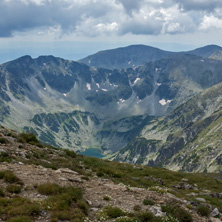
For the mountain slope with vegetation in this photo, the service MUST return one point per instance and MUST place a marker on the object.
(187, 139)
(42, 183)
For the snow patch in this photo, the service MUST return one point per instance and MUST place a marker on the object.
(136, 80)
(97, 90)
(44, 88)
(122, 100)
(129, 62)
(163, 102)
(115, 85)
(64, 94)
(202, 60)
(158, 84)
(89, 61)
(88, 86)
(156, 69)
(97, 84)
(104, 90)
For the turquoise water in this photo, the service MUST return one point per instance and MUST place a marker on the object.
(93, 153)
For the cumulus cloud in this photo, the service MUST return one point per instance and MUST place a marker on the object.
(211, 22)
(98, 17)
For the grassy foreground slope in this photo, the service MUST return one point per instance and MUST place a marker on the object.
(41, 183)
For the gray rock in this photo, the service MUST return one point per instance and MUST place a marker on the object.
(185, 186)
(75, 179)
(185, 180)
(192, 194)
(212, 219)
(89, 202)
(94, 209)
(216, 195)
(66, 170)
(215, 213)
(157, 211)
(201, 199)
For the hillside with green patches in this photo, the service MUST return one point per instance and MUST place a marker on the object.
(188, 139)
(44, 183)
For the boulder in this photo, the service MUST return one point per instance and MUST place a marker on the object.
(215, 213)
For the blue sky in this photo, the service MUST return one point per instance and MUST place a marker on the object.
(73, 29)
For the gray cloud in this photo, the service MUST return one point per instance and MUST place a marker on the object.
(20, 16)
(130, 5)
(199, 5)
(92, 18)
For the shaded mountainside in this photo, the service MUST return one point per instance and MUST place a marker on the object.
(188, 139)
(43, 183)
(137, 55)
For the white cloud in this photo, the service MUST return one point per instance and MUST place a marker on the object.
(210, 22)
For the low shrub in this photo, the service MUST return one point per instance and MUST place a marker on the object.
(20, 219)
(137, 208)
(18, 206)
(83, 206)
(13, 188)
(85, 178)
(203, 211)
(145, 216)
(3, 140)
(64, 198)
(9, 177)
(4, 157)
(177, 212)
(148, 202)
(1, 193)
(29, 138)
(106, 198)
(70, 153)
(126, 219)
(49, 189)
(114, 212)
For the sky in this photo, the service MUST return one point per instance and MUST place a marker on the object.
(73, 29)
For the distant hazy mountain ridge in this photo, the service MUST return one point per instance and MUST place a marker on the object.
(136, 55)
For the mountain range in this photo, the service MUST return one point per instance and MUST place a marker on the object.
(137, 55)
(137, 104)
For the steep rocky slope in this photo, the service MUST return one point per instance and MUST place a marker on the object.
(186, 139)
(39, 183)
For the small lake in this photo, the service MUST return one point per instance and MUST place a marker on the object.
(92, 152)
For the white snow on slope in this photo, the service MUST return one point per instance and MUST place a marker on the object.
(88, 86)
(163, 102)
(136, 80)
